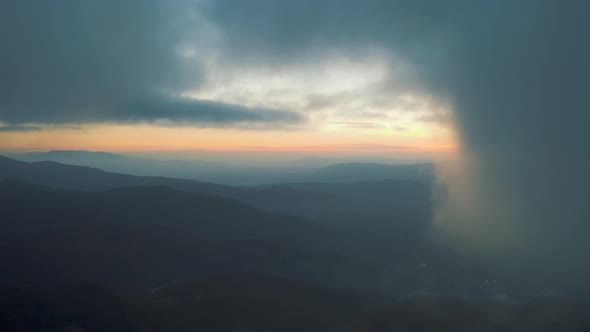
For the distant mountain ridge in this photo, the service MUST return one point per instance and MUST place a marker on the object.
(211, 171)
(58, 175)
(387, 218)
(70, 154)
(354, 172)
(193, 169)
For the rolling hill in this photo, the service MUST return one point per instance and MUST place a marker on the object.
(153, 235)
(356, 172)
(386, 217)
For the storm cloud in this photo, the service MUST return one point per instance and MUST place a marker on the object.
(108, 61)
(515, 77)
(19, 128)
(517, 80)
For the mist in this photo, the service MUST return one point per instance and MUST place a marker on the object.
(513, 76)
(516, 84)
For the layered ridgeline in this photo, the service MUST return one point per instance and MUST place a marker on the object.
(147, 236)
(303, 170)
(87, 250)
(386, 216)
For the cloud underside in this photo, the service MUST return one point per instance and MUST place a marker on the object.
(109, 61)
(160, 110)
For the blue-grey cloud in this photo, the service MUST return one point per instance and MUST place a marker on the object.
(18, 128)
(516, 74)
(84, 61)
(184, 110)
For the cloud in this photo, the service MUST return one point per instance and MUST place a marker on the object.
(77, 62)
(363, 125)
(198, 112)
(26, 128)
(19, 128)
(107, 61)
(340, 147)
(514, 73)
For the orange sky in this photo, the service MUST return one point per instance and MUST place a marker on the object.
(148, 137)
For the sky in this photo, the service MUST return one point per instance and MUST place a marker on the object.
(137, 76)
(502, 83)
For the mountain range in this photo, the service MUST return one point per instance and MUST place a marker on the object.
(384, 216)
(87, 250)
(220, 172)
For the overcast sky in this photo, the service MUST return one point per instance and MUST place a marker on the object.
(221, 75)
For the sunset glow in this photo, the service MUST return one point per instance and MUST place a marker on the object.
(148, 137)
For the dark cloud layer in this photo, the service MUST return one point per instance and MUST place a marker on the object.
(109, 61)
(19, 128)
(516, 75)
(202, 113)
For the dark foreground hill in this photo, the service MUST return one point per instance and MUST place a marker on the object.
(248, 302)
(222, 303)
(146, 236)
